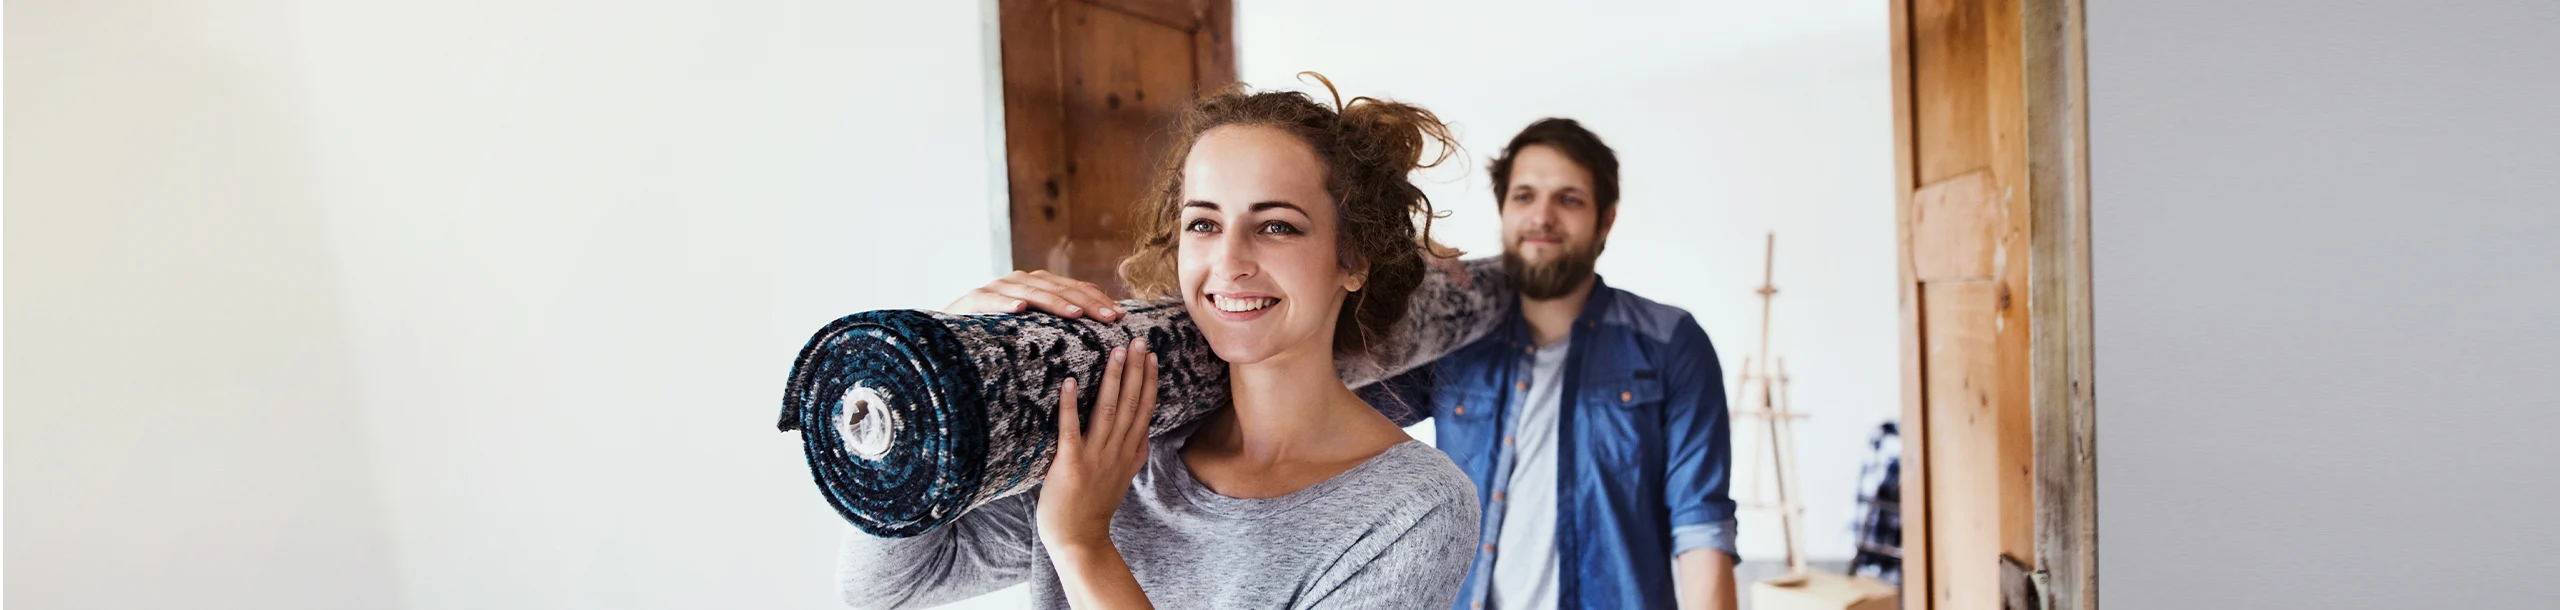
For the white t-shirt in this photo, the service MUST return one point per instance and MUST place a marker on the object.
(1524, 572)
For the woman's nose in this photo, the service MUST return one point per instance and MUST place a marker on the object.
(1234, 258)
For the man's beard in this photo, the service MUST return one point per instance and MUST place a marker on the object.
(1554, 278)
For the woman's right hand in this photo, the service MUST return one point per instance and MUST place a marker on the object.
(1038, 290)
(1098, 455)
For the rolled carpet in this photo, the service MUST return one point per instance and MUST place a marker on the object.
(911, 418)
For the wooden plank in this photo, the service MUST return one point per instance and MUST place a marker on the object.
(1034, 130)
(1214, 46)
(1965, 230)
(1122, 91)
(2006, 113)
(1915, 498)
(2065, 424)
(1963, 394)
(1183, 15)
(1951, 224)
(1950, 91)
(1090, 88)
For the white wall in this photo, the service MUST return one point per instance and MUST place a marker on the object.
(184, 425)
(1731, 120)
(2325, 271)
(457, 305)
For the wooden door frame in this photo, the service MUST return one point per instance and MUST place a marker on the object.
(999, 153)
(2058, 301)
(1031, 110)
(2063, 399)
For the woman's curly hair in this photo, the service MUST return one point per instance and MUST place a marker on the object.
(1369, 148)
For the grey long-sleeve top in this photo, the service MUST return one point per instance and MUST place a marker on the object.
(1397, 531)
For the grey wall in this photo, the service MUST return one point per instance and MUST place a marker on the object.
(2326, 257)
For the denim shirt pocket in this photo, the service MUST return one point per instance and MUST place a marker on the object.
(1623, 421)
(1637, 391)
(1465, 423)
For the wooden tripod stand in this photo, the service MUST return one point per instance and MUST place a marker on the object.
(1762, 386)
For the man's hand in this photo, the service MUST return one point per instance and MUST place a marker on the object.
(1038, 290)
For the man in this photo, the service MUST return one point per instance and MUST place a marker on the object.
(1593, 421)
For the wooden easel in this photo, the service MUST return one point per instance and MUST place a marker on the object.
(1763, 381)
(1763, 387)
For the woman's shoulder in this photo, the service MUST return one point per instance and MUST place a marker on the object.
(1419, 475)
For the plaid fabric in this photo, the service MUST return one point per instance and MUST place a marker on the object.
(1879, 526)
(910, 419)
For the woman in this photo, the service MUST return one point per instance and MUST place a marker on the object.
(1287, 228)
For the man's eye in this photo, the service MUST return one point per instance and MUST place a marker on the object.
(1200, 225)
(1279, 228)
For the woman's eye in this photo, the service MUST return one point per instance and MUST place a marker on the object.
(1279, 228)
(1200, 225)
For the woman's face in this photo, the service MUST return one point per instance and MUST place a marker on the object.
(1257, 250)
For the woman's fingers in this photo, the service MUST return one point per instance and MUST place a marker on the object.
(1133, 390)
(1070, 432)
(1094, 300)
(1123, 409)
(1146, 404)
(1084, 296)
(1023, 291)
(1106, 408)
(1039, 297)
(983, 300)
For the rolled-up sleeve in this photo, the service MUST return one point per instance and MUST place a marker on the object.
(988, 549)
(1700, 444)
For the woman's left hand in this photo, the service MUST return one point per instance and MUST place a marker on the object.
(1096, 460)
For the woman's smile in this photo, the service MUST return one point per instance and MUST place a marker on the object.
(1240, 306)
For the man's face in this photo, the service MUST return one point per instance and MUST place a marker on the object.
(1552, 232)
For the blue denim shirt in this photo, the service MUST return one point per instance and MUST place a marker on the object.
(1644, 446)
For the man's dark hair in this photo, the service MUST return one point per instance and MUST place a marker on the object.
(1578, 144)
